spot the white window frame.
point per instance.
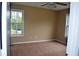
(17, 35)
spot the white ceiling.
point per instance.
(38, 4)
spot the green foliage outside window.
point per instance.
(19, 23)
(16, 22)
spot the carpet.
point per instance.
(39, 49)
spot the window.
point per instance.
(17, 24)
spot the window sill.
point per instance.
(17, 35)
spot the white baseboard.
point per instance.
(32, 41)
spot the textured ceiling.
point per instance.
(38, 4)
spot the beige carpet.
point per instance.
(38, 49)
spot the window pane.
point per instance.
(19, 17)
(19, 29)
(19, 23)
(13, 26)
(12, 16)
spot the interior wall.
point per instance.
(39, 24)
(61, 21)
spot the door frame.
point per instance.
(73, 34)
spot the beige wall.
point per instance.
(61, 20)
(39, 24)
